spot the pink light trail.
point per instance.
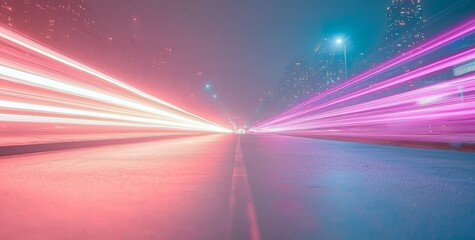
(42, 86)
(439, 111)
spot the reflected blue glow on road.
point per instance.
(192, 187)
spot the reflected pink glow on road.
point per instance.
(171, 189)
(41, 86)
(442, 111)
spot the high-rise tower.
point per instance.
(161, 69)
(329, 64)
(134, 52)
(405, 25)
(67, 24)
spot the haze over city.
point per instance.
(343, 119)
(244, 46)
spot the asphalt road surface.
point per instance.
(231, 187)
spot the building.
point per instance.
(300, 80)
(7, 12)
(134, 53)
(405, 26)
(329, 67)
(162, 69)
(405, 29)
(67, 24)
(296, 84)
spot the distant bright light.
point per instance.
(339, 41)
(208, 86)
(241, 131)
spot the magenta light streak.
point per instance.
(431, 68)
(396, 102)
(417, 52)
(441, 112)
(352, 117)
(411, 122)
(438, 113)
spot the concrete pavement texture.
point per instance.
(238, 187)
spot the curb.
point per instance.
(463, 147)
(46, 147)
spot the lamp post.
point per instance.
(214, 96)
(339, 41)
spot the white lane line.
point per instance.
(240, 191)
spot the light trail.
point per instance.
(40, 85)
(73, 121)
(59, 58)
(442, 111)
(99, 115)
(423, 49)
(431, 68)
(413, 99)
(45, 82)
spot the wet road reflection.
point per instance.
(316, 189)
(260, 187)
(168, 189)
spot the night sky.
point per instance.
(243, 45)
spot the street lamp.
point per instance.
(210, 89)
(339, 41)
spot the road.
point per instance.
(230, 187)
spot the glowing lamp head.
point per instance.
(339, 41)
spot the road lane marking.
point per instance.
(241, 204)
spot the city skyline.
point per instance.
(228, 81)
(245, 46)
(237, 119)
